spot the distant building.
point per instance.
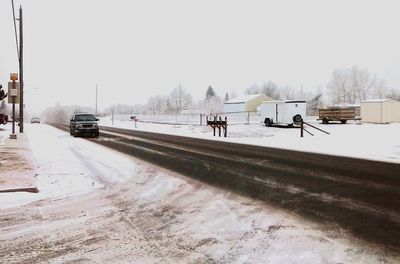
(245, 103)
(380, 111)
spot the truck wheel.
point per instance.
(297, 119)
(343, 121)
(268, 122)
(325, 120)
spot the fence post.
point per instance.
(215, 122)
(248, 117)
(201, 119)
(301, 128)
(226, 126)
(219, 127)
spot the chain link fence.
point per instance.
(190, 119)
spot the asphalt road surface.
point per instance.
(360, 196)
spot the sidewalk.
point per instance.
(17, 170)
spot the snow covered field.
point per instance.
(355, 139)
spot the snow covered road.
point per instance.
(96, 206)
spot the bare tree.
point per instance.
(253, 89)
(287, 93)
(157, 104)
(213, 105)
(394, 94)
(381, 90)
(179, 99)
(126, 109)
(338, 86)
(58, 113)
(270, 89)
(350, 86)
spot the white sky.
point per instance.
(136, 49)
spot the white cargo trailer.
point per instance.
(286, 112)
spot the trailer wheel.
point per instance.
(268, 122)
(343, 121)
(325, 120)
(297, 119)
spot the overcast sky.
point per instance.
(136, 49)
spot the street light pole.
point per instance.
(21, 73)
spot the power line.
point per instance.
(15, 27)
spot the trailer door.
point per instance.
(280, 113)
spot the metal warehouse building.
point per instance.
(245, 103)
(380, 111)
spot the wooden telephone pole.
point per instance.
(21, 72)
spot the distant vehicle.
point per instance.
(84, 124)
(35, 120)
(3, 119)
(286, 113)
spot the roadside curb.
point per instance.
(28, 189)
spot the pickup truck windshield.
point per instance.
(85, 118)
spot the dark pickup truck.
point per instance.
(84, 124)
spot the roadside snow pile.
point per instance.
(367, 141)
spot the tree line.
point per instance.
(346, 86)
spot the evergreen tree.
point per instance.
(226, 97)
(210, 93)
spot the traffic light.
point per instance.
(2, 93)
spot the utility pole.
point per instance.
(180, 98)
(21, 72)
(96, 101)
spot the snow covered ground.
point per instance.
(99, 206)
(67, 166)
(355, 139)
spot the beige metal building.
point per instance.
(380, 111)
(245, 103)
